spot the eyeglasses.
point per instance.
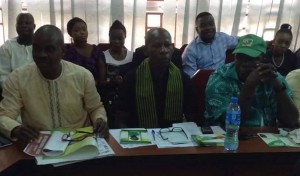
(163, 131)
(76, 136)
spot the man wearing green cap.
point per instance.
(263, 94)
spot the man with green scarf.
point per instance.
(157, 93)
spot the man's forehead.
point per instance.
(45, 37)
(27, 17)
(159, 35)
(246, 58)
(206, 18)
(162, 39)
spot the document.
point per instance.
(189, 127)
(55, 146)
(131, 136)
(209, 139)
(277, 140)
(116, 134)
(179, 135)
(293, 134)
(52, 148)
(36, 147)
(99, 150)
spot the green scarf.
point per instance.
(145, 96)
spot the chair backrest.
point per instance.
(229, 56)
(199, 80)
(183, 48)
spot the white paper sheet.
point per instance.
(55, 146)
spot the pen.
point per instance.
(153, 134)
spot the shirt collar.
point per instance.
(231, 71)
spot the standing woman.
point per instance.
(82, 53)
(280, 55)
(118, 61)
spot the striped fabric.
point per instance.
(145, 97)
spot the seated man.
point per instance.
(49, 93)
(17, 51)
(263, 94)
(156, 94)
(208, 49)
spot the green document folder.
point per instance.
(209, 139)
(132, 136)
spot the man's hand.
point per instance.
(101, 127)
(265, 72)
(25, 133)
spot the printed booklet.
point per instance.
(277, 140)
(209, 139)
(131, 136)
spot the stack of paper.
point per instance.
(98, 150)
(277, 140)
(173, 139)
(50, 149)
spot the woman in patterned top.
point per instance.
(82, 53)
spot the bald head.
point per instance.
(48, 50)
(25, 15)
(25, 27)
(51, 32)
(154, 33)
(159, 47)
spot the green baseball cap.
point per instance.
(251, 45)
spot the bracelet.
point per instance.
(283, 88)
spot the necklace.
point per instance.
(280, 62)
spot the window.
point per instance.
(153, 20)
(2, 38)
(24, 7)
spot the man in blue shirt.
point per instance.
(208, 49)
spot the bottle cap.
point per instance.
(233, 100)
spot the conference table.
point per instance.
(253, 157)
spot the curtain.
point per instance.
(98, 14)
(234, 17)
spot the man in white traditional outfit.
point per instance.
(50, 93)
(17, 51)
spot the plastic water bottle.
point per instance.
(232, 122)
